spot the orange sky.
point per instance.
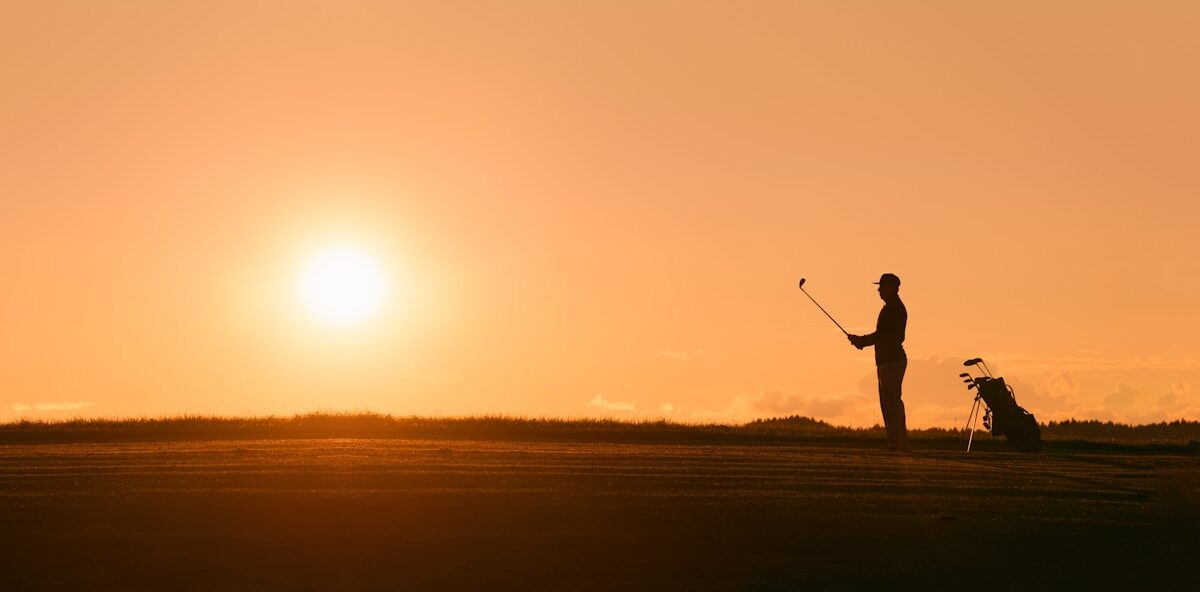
(598, 210)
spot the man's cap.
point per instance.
(889, 279)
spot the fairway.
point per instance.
(391, 514)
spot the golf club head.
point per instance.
(964, 375)
(970, 386)
(802, 280)
(972, 361)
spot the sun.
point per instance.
(342, 285)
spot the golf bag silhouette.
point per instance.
(1005, 418)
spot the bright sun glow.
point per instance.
(342, 286)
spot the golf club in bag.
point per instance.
(1001, 414)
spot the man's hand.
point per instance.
(855, 340)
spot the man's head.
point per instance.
(889, 285)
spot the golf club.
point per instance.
(814, 301)
(973, 361)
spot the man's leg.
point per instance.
(891, 377)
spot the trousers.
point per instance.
(891, 377)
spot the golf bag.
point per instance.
(1005, 418)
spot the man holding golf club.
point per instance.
(890, 359)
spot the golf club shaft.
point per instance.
(985, 368)
(814, 301)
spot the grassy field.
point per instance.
(748, 513)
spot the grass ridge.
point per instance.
(1165, 436)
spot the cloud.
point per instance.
(60, 406)
(1062, 385)
(1029, 362)
(933, 392)
(1123, 398)
(1175, 402)
(1059, 388)
(667, 408)
(927, 381)
(935, 396)
(600, 401)
(1059, 395)
(676, 354)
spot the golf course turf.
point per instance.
(427, 514)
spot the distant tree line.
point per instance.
(493, 427)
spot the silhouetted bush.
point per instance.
(1173, 432)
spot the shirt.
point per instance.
(888, 337)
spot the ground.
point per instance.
(438, 515)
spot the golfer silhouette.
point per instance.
(890, 359)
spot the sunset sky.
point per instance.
(597, 209)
